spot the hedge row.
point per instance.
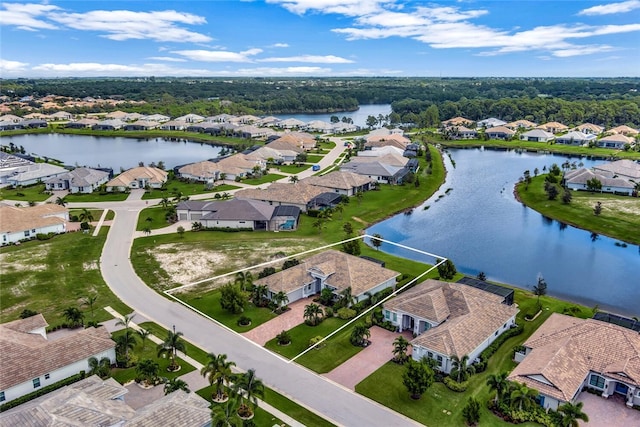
(453, 385)
(42, 391)
(489, 351)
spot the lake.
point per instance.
(476, 222)
(113, 152)
(359, 116)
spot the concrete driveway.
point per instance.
(284, 322)
(363, 364)
(607, 412)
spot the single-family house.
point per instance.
(253, 132)
(109, 124)
(491, 122)
(299, 194)
(382, 151)
(567, 354)
(120, 115)
(537, 135)
(30, 361)
(29, 173)
(269, 121)
(132, 117)
(341, 182)
(19, 223)
(205, 171)
(221, 118)
(96, 402)
(291, 124)
(627, 169)
(333, 270)
(449, 319)
(138, 177)
(288, 150)
(248, 119)
(34, 123)
(576, 137)
(160, 118)
(141, 125)
(617, 141)
(79, 180)
(499, 132)
(174, 125)
(86, 123)
(238, 165)
(60, 116)
(240, 213)
(624, 130)
(319, 126)
(578, 179)
(7, 125)
(10, 118)
(342, 127)
(302, 140)
(457, 121)
(387, 169)
(392, 139)
(268, 154)
(190, 118)
(462, 132)
(520, 124)
(554, 127)
(589, 129)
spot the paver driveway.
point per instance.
(268, 330)
(363, 364)
(607, 412)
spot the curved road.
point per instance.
(338, 404)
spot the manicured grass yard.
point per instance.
(49, 276)
(261, 417)
(175, 186)
(192, 351)
(153, 217)
(209, 303)
(293, 168)
(434, 406)
(335, 351)
(263, 179)
(96, 197)
(148, 351)
(32, 193)
(314, 158)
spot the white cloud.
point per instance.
(166, 58)
(582, 50)
(609, 9)
(26, 16)
(342, 7)
(327, 59)
(94, 69)
(218, 55)
(285, 71)
(279, 45)
(125, 25)
(12, 67)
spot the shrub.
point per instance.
(283, 338)
(44, 236)
(328, 312)
(346, 313)
(244, 321)
(489, 351)
(42, 391)
(453, 385)
(315, 340)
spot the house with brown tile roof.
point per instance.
(617, 141)
(138, 177)
(205, 171)
(457, 121)
(238, 165)
(303, 140)
(341, 182)
(30, 360)
(449, 319)
(589, 129)
(93, 402)
(624, 130)
(394, 139)
(567, 354)
(334, 270)
(554, 127)
(299, 194)
(19, 223)
(499, 132)
(520, 124)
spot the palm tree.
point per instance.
(90, 300)
(171, 346)
(165, 202)
(313, 314)
(460, 368)
(218, 371)
(294, 179)
(250, 389)
(400, 347)
(126, 321)
(226, 415)
(144, 334)
(244, 279)
(74, 316)
(259, 295)
(62, 201)
(521, 396)
(571, 413)
(359, 335)
(499, 383)
(101, 367)
(125, 343)
(175, 384)
(339, 209)
(85, 216)
(280, 300)
(147, 371)
(376, 242)
(346, 297)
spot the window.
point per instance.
(47, 376)
(2, 398)
(496, 334)
(596, 381)
(386, 314)
(395, 317)
(440, 360)
(430, 355)
(36, 382)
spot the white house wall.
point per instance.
(20, 235)
(55, 376)
(229, 224)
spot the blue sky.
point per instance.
(320, 38)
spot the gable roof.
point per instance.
(472, 315)
(297, 194)
(625, 167)
(154, 175)
(624, 129)
(616, 137)
(341, 270)
(581, 176)
(14, 219)
(564, 349)
(500, 130)
(341, 180)
(27, 356)
(589, 127)
(521, 124)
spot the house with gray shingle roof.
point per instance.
(387, 169)
(575, 138)
(567, 354)
(624, 168)
(334, 270)
(578, 180)
(449, 319)
(537, 135)
(299, 194)
(341, 182)
(79, 180)
(239, 213)
(31, 361)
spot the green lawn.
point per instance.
(175, 186)
(96, 213)
(153, 217)
(261, 417)
(314, 158)
(209, 303)
(615, 220)
(96, 197)
(438, 401)
(49, 276)
(192, 351)
(293, 168)
(31, 193)
(147, 351)
(263, 179)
